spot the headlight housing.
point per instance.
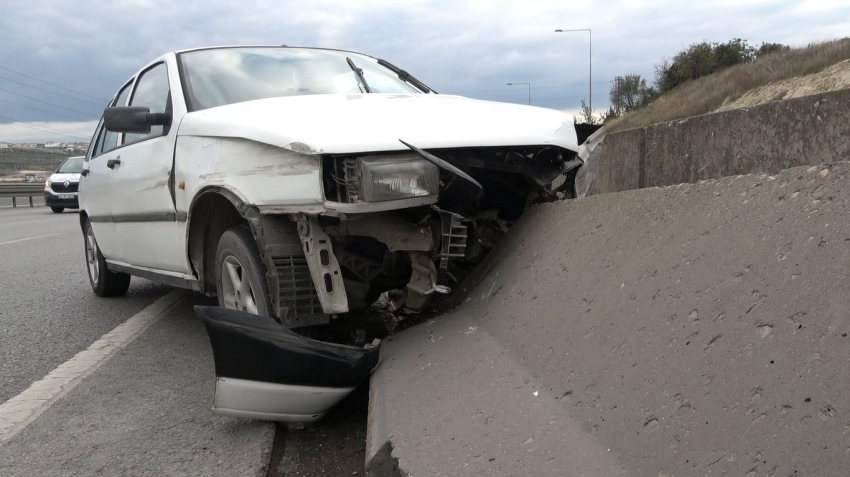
(391, 177)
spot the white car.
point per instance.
(60, 189)
(305, 184)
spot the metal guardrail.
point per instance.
(21, 189)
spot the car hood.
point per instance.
(329, 123)
(65, 176)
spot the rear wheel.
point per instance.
(58, 210)
(103, 281)
(240, 273)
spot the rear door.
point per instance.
(143, 208)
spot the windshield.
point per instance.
(72, 165)
(220, 76)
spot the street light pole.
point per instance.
(590, 64)
(529, 90)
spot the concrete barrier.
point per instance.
(698, 329)
(767, 138)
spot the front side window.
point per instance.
(110, 139)
(222, 76)
(151, 91)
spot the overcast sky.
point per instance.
(473, 48)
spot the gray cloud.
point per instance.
(467, 47)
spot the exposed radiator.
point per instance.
(299, 302)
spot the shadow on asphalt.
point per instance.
(336, 445)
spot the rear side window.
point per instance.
(151, 91)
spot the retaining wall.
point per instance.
(767, 138)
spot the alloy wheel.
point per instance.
(236, 288)
(91, 256)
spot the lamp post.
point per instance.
(590, 63)
(529, 90)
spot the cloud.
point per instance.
(41, 131)
(471, 47)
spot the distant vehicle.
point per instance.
(303, 184)
(60, 189)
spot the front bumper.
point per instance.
(66, 199)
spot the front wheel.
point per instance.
(103, 281)
(57, 210)
(240, 274)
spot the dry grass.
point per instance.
(708, 93)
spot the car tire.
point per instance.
(240, 273)
(57, 210)
(103, 281)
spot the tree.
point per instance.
(702, 59)
(629, 92)
(586, 116)
(767, 48)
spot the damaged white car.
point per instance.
(307, 185)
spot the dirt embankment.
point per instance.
(831, 79)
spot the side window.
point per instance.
(94, 150)
(109, 140)
(151, 91)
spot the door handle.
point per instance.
(113, 162)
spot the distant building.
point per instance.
(4, 145)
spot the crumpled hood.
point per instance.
(329, 123)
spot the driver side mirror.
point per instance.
(133, 119)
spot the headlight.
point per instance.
(396, 177)
(47, 184)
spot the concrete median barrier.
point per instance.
(698, 329)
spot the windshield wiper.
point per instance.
(359, 73)
(405, 76)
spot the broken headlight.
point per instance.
(392, 177)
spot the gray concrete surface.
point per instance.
(767, 138)
(698, 329)
(48, 312)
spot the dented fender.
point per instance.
(259, 174)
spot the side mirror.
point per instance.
(133, 119)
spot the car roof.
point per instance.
(186, 50)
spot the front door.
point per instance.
(97, 183)
(143, 210)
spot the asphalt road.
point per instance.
(146, 409)
(48, 312)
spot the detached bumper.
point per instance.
(266, 371)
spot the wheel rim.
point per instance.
(91, 256)
(236, 289)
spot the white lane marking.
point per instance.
(18, 412)
(31, 238)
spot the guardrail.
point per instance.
(21, 189)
